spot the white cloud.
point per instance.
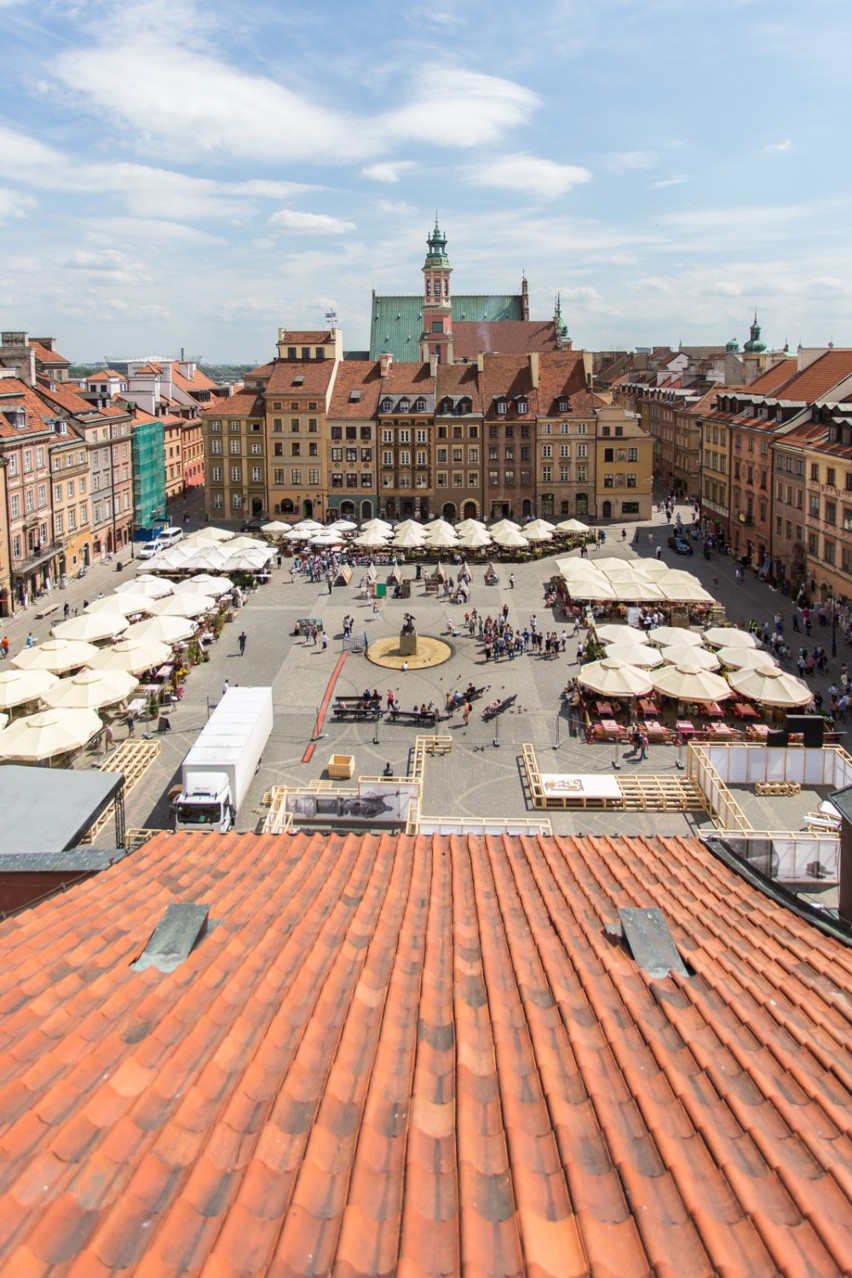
(389, 171)
(458, 108)
(396, 207)
(630, 161)
(774, 148)
(529, 174)
(15, 203)
(672, 181)
(291, 222)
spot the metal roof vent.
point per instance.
(178, 932)
(650, 942)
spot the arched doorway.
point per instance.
(307, 509)
(366, 509)
(448, 511)
(287, 507)
(606, 510)
(257, 505)
(470, 510)
(526, 508)
(86, 554)
(347, 510)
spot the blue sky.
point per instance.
(185, 175)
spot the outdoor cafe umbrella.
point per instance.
(409, 539)
(208, 536)
(91, 689)
(688, 682)
(474, 539)
(254, 560)
(408, 525)
(343, 525)
(168, 630)
(135, 655)
(502, 525)
(511, 538)
(377, 525)
(56, 655)
(17, 687)
(182, 605)
(634, 654)
(613, 632)
(572, 526)
(679, 653)
(435, 524)
(41, 736)
(770, 686)
(536, 534)
(275, 528)
(538, 526)
(91, 626)
(145, 584)
(221, 584)
(194, 588)
(307, 525)
(613, 678)
(469, 525)
(745, 658)
(729, 637)
(683, 592)
(372, 540)
(130, 603)
(665, 636)
(441, 535)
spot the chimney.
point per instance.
(433, 365)
(534, 368)
(385, 363)
(480, 362)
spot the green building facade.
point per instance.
(149, 473)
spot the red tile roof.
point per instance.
(104, 374)
(244, 403)
(45, 356)
(361, 378)
(306, 337)
(768, 382)
(422, 1056)
(818, 379)
(409, 378)
(15, 394)
(315, 374)
(502, 337)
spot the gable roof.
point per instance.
(356, 389)
(315, 376)
(243, 403)
(396, 321)
(44, 355)
(422, 1056)
(505, 337)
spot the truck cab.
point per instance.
(205, 803)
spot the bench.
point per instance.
(367, 713)
(45, 612)
(412, 718)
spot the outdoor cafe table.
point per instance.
(743, 711)
(610, 727)
(758, 731)
(711, 709)
(685, 728)
(655, 731)
(604, 709)
(720, 731)
(164, 672)
(648, 709)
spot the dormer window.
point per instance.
(419, 405)
(403, 405)
(563, 405)
(386, 405)
(501, 407)
(522, 405)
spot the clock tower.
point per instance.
(437, 336)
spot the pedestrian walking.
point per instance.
(131, 725)
(466, 713)
(4, 646)
(242, 642)
(404, 666)
(511, 581)
(324, 644)
(659, 552)
(225, 687)
(643, 746)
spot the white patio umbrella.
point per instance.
(372, 540)
(300, 534)
(91, 689)
(745, 658)
(539, 525)
(221, 584)
(635, 654)
(653, 568)
(511, 538)
(17, 687)
(469, 525)
(768, 685)
(91, 626)
(410, 523)
(130, 603)
(376, 525)
(168, 630)
(442, 536)
(275, 528)
(684, 593)
(535, 534)
(677, 654)
(208, 559)
(688, 682)
(243, 543)
(344, 525)
(192, 588)
(502, 525)
(474, 539)
(572, 526)
(593, 588)
(410, 539)
(208, 536)
(307, 525)
(613, 678)
(182, 605)
(729, 637)
(612, 632)
(56, 655)
(172, 559)
(434, 524)
(145, 584)
(41, 736)
(328, 537)
(248, 561)
(135, 655)
(666, 636)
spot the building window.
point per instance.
(236, 501)
(236, 475)
(235, 447)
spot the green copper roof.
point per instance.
(397, 322)
(754, 345)
(437, 243)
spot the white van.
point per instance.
(151, 548)
(169, 536)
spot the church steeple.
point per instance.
(560, 328)
(754, 346)
(437, 336)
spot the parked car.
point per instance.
(252, 525)
(679, 544)
(150, 549)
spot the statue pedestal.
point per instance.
(408, 645)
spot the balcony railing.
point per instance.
(22, 567)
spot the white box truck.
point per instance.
(218, 770)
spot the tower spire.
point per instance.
(436, 338)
